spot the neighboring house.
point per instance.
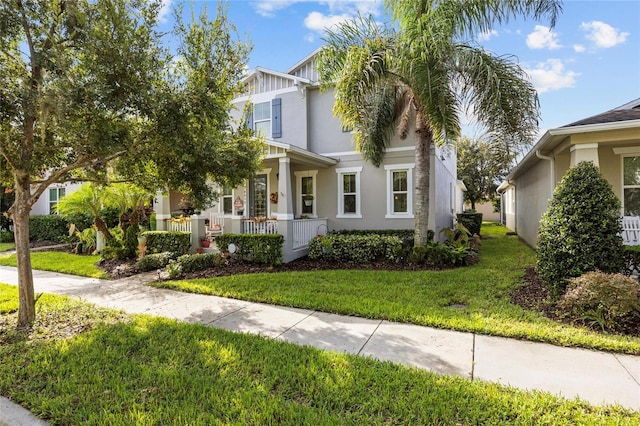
(48, 201)
(611, 140)
(312, 179)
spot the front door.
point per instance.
(258, 196)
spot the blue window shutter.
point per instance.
(276, 120)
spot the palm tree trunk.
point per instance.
(424, 139)
(20, 216)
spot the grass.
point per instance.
(6, 246)
(421, 297)
(146, 370)
(65, 263)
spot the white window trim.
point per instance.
(390, 169)
(268, 135)
(340, 172)
(299, 201)
(622, 185)
(57, 188)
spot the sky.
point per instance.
(587, 64)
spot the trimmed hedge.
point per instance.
(471, 220)
(48, 228)
(6, 237)
(262, 248)
(163, 241)
(356, 248)
(154, 261)
(199, 262)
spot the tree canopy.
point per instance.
(425, 68)
(482, 165)
(90, 91)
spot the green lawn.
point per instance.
(123, 370)
(66, 263)
(6, 246)
(421, 297)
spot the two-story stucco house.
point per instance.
(610, 140)
(312, 178)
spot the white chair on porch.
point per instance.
(215, 226)
(631, 230)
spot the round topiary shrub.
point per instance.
(580, 231)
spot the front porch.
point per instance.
(282, 198)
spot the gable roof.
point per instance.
(628, 111)
(626, 116)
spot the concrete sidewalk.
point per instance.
(597, 377)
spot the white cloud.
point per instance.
(603, 35)
(579, 48)
(310, 37)
(165, 10)
(484, 36)
(317, 21)
(551, 75)
(268, 8)
(543, 38)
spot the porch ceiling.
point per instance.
(276, 150)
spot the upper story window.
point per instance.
(631, 186)
(262, 119)
(266, 119)
(54, 196)
(349, 192)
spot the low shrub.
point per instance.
(603, 299)
(48, 228)
(162, 241)
(354, 247)
(438, 255)
(263, 248)
(6, 237)
(199, 262)
(471, 220)
(631, 259)
(154, 261)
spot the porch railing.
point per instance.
(179, 225)
(631, 230)
(305, 229)
(260, 227)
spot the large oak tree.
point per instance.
(90, 91)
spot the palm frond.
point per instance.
(503, 99)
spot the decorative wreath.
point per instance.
(274, 197)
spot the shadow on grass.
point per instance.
(158, 371)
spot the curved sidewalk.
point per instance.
(597, 377)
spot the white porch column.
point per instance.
(584, 152)
(285, 195)
(163, 210)
(198, 231)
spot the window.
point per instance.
(54, 196)
(349, 192)
(227, 200)
(631, 186)
(306, 184)
(399, 190)
(262, 119)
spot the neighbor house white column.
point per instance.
(584, 152)
(162, 207)
(285, 195)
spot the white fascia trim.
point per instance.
(349, 170)
(582, 146)
(564, 131)
(264, 97)
(627, 150)
(400, 166)
(346, 153)
(304, 60)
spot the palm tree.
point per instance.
(384, 77)
(89, 198)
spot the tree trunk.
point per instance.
(424, 139)
(20, 216)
